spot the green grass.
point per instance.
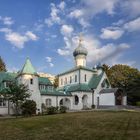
(101, 125)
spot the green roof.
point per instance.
(6, 76)
(77, 68)
(44, 81)
(94, 82)
(54, 93)
(28, 68)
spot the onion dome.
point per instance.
(80, 50)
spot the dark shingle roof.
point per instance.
(109, 90)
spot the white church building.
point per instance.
(79, 88)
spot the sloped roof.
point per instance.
(77, 68)
(28, 68)
(44, 81)
(94, 82)
(109, 90)
(54, 93)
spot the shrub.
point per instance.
(28, 108)
(92, 106)
(138, 104)
(52, 110)
(62, 109)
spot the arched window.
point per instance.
(75, 78)
(85, 77)
(48, 102)
(76, 100)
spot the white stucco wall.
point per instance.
(107, 99)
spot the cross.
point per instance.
(80, 38)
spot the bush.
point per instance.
(93, 106)
(62, 109)
(52, 110)
(28, 108)
(138, 104)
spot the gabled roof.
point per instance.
(44, 81)
(94, 82)
(28, 68)
(77, 68)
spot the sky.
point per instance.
(47, 31)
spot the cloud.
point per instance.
(96, 52)
(49, 59)
(111, 33)
(54, 18)
(131, 7)
(17, 39)
(62, 5)
(31, 35)
(91, 8)
(66, 30)
(133, 25)
(7, 20)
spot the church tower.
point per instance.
(80, 54)
(29, 77)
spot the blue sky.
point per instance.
(47, 32)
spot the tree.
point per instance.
(17, 94)
(56, 82)
(127, 78)
(2, 65)
(28, 108)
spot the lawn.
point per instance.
(98, 125)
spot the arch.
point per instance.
(85, 101)
(48, 102)
(76, 100)
(65, 102)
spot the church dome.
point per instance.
(80, 50)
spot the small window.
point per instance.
(61, 81)
(48, 102)
(85, 77)
(76, 100)
(65, 80)
(31, 81)
(70, 79)
(75, 78)
(2, 102)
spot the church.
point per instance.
(79, 88)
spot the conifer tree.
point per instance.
(2, 65)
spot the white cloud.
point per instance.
(62, 5)
(54, 18)
(31, 35)
(133, 25)
(17, 39)
(111, 34)
(51, 64)
(131, 7)
(7, 20)
(96, 52)
(76, 13)
(64, 52)
(66, 30)
(49, 59)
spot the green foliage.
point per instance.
(56, 82)
(92, 106)
(2, 65)
(138, 103)
(17, 94)
(52, 110)
(127, 78)
(62, 109)
(28, 108)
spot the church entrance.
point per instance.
(85, 101)
(65, 102)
